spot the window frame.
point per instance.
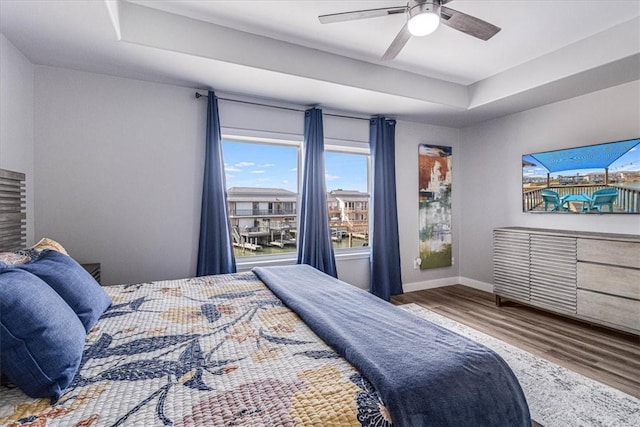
(333, 145)
(358, 149)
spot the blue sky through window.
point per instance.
(249, 164)
(346, 171)
(261, 165)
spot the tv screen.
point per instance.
(602, 178)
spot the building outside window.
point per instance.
(347, 181)
(262, 193)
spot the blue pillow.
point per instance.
(41, 338)
(73, 283)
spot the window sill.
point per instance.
(353, 254)
(247, 263)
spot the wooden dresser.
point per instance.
(589, 276)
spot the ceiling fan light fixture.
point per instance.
(424, 19)
(423, 24)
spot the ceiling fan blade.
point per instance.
(361, 14)
(467, 24)
(397, 44)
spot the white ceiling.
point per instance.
(547, 50)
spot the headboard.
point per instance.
(13, 211)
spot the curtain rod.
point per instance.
(199, 95)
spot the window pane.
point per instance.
(347, 181)
(262, 190)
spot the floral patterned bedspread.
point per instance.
(208, 351)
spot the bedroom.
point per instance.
(102, 151)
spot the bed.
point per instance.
(219, 350)
(277, 346)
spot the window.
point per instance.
(262, 193)
(262, 178)
(347, 181)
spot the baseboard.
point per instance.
(447, 281)
(430, 284)
(476, 284)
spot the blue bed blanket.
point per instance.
(425, 374)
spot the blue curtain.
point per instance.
(384, 241)
(314, 239)
(215, 252)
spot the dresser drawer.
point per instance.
(615, 310)
(611, 252)
(610, 280)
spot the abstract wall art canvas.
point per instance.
(434, 200)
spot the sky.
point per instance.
(276, 166)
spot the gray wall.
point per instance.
(119, 166)
(491, 184)
(118, 172)
(408, 137)
(16, 120)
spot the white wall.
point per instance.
(114, 168)
(492, 175)
(16, 120)
(119, 172)
(119, 168)
(408, 137)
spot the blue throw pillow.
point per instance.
(41, 338)
(73, 283)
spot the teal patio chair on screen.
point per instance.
(601, 198)
(553, 199)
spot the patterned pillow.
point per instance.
(13, 258)
(42, 338)
(23, 256)
(47, 243)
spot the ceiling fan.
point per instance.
(423, 17)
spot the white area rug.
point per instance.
(556, 396)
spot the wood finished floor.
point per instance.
(607, 356)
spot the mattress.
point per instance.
(207, 351)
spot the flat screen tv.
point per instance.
(602, 178)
